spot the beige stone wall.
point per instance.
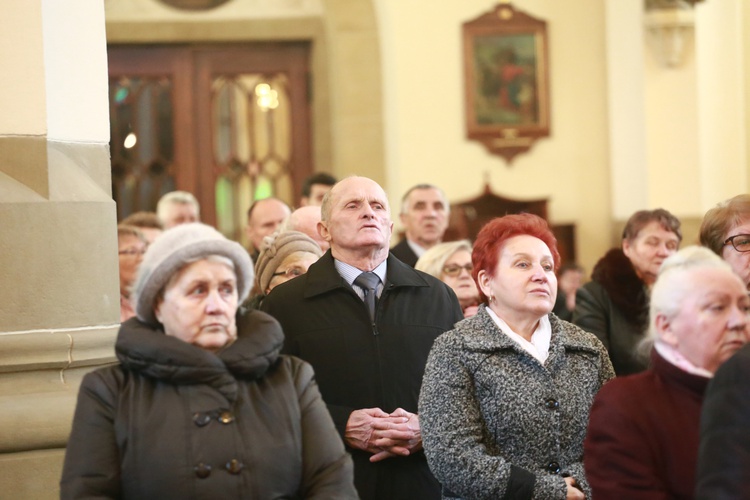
(58, 248)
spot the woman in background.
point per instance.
(614, 304)
(506, 394)
(643, 435)
(131, 245)
(726, 230)
(202, 405)
(283, 256)
(451, 263)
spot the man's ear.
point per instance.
(323, 231)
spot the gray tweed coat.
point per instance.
(496, 423)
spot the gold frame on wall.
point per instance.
(506, 76)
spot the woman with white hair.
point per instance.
(643, 433)
(202, 405)
(451, 263)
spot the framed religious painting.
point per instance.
(506, 73)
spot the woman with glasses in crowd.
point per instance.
(726, 231)
(644, 431)
(283, 256)
(506, 394)
(451, 263)
(131, 245)
(614, 304)
(202, 403)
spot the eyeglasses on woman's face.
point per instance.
(740, 242)
(455, 269)
(132, 252)
(291, 272)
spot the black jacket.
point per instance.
(724, 456)
(614, 307)
(175, 421)
(404, 253)
(360, 365)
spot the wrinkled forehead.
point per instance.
(358, 189)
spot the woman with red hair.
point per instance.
(506, 394)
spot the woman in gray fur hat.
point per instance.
(202, 405)
(506, 394)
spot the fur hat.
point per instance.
(275, 249)
(176, 247)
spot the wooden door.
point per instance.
(228, 123)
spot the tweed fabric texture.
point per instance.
(496, 423)
(175, 248)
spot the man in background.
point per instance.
(263, 218)
(315, 187)
(177, 207)
(305, 220)
(424, 214)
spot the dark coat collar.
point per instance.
(143, 348)
(322, 276)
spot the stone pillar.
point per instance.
(59, 298)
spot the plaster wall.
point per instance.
(424, 113)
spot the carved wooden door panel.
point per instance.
(229, 123)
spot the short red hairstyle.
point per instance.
(496, 232)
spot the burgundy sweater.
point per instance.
(643, 434)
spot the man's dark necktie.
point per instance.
(368, 282)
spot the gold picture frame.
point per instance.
(506, 80)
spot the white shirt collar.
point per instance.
(540, 339)
(350, 273)
(674, 357)
(418, 250)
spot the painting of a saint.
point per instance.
(506, 80)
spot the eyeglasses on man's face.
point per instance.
(740, 242)
(455, 269)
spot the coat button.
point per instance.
(201, 419)
(552, 404)
(553, 467)
(234, 466)
(226, 417)
(202, 470)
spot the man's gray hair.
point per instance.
(176, 198)
(405, 199)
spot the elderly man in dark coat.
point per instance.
(368, 341)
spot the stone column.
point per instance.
(59, 298)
